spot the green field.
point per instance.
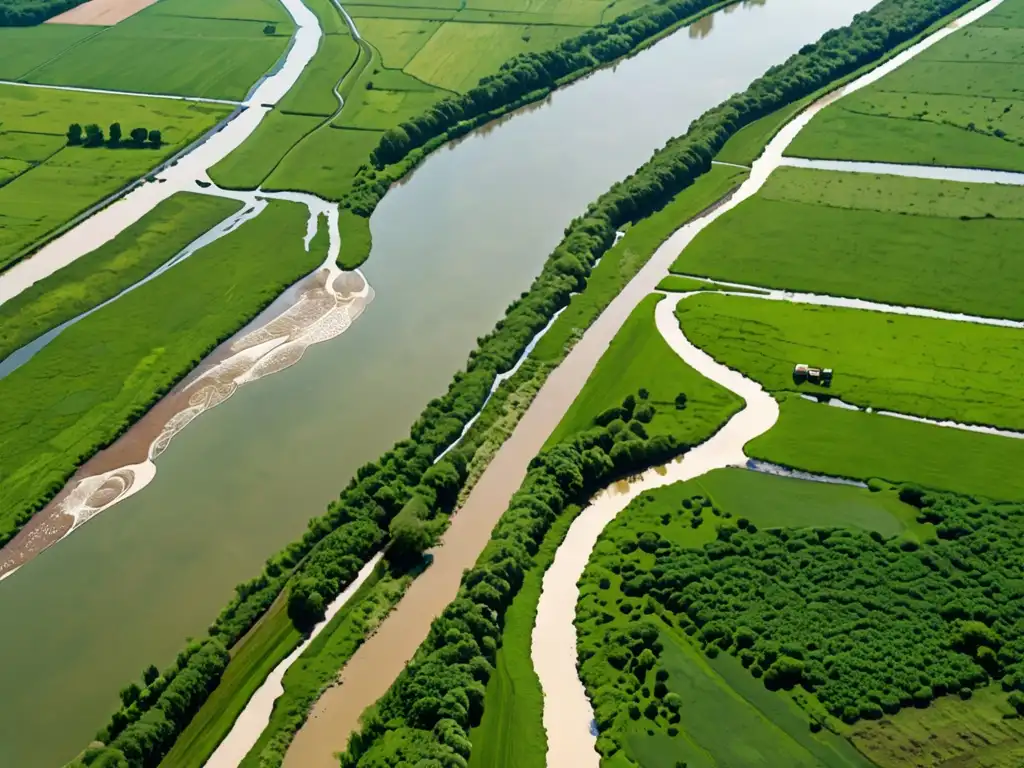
(625, 258)
(904, 241)
(639, 357)
(764, 728)
(26, 48)
(325, 162)
(60, 182)
(256, 158)
(313, 94)
(128, 354)
(935, 736)
(398, 40)
(835, 441)
(131, 255)
(252, 659)
(938, 369)
(957, 103)
(166, 49)
(270, 11)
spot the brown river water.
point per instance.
(453, 245)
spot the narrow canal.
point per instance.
(452, 247)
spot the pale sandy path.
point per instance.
(910, 171)
(567, 711)
(78, 89)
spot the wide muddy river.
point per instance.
(453, 246)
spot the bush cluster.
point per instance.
(425, 717)
(92, 136)
(869, 625)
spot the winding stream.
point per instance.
(462, 237)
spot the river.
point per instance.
(453, 246)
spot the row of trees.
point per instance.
(381, 489)
(92, 136)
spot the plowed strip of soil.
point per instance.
(105, 13)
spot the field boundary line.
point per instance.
(105, 92)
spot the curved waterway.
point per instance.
(453, 246)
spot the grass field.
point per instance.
(958, 103)
(765, 729)
(938, 369)
(103, 273)
(511, 732)
(158, 51)
(256, 158)
(313, 94)
(626, 258)
(681, 284)
(639, 357)
(398, 40)
(900, 241)
(60, 182)
(124, 357)
(324, 163)
(319, 665)
(951, 732)
(252, 659)
(441, 61)
(26, 48)
(270, 11)
(835, 441)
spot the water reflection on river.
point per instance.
(452, 247)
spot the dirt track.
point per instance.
(105, 13)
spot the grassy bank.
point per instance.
(835, 441)
(130, 256)
(918, 242)
(639, 358)
(128, 355)
(938, 369)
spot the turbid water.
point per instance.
(452, 246)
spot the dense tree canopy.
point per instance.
(25, 13)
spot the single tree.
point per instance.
(74, 134)
(93, 135)
(409, 539)
(151, 674)
(155, 138)
(139, 136)
(115, 135)
(130, 694)
(270, 29)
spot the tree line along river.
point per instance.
(453, 245)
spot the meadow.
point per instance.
(671, 712)
(938, 369)
(127, 355)
(639, 358)
(130, 256)
(168, 49)
(901, 241)
(835, 441)
(621, 262)
(58, 182)
(26, 48)
(313, 94)
(958, 104)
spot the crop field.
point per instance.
(253, 10)
(626, 257)
(938, 369)
(836, 441)
(155, 52)
(398, 40)
(59, 182)
(902, 241)
(441, 61)
(128, 354)
(639, 357)
(940, 734)
(765, 728)
(958, 103)
(131, 255)
(251, 163)
(580, 13)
